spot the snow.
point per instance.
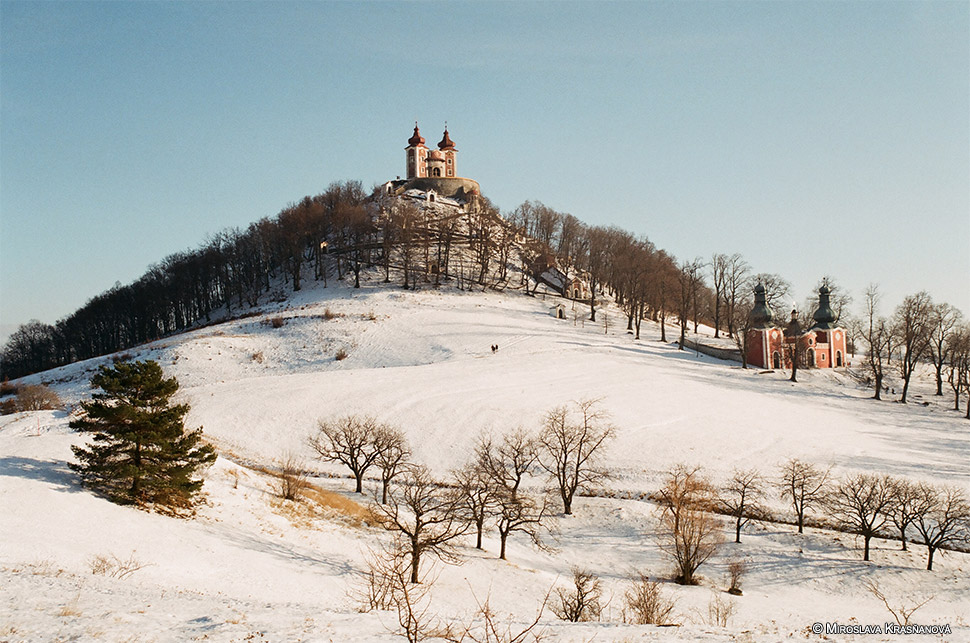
(250, 567)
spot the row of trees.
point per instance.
(863, 504)
(487, 491)
(919, 331)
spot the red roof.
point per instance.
(416, 139)
(446, 143)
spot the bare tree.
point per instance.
(519, 512)
(912, 325)
(740, 498)
(581, 602)
(689, 533)
(944, 321)
(508, 461)
(719, 268)
(803, 485)
(690, 279)
(477, 496)
(392, 455)
(900, 609)
(902, 510)
(736, 284)
(349, 440)
(942, 517)
(958, 365)
(388, 583)
(426, 514)
(876, 333)
(862, 504)
(570, 447)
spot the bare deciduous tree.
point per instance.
(944, 321)
(912, 325)
(689, 533)
(520, 512)
(581, 602)
(740, 498)
(349, 440)
(942, 517)
(508, 461)
(876, 333)
(425, 513)
(392, 455)
(477, 496)
(958, 366)
(901, 609)
(803, 485)
(570, 447)
(862, 503)
(901, 511)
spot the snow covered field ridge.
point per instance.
(251, 567)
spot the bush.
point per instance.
(6, 388)
(277, 322)
(736, 569)
(8, 407)
(341, 355)
(582, 602)
(645, 604)
(291, 479)
(37, 397)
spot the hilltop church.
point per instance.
(432, 174)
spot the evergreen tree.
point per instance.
(140, 451)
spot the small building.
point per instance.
(577, 288)
(821, 346)
(559, 311)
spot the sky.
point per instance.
(826, 138)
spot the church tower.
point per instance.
(417, 155)
(450, 153)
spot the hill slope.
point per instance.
(250, 564)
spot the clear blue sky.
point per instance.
(813, 138)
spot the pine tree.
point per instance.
(140, 451)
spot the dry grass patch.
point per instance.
(336, 505)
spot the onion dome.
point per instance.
(416, 139)
(794, 329)
(446, 143)
(824, 317)
(760, 316)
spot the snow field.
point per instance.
(251, 566)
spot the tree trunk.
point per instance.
(929, 560)
(737, 530)
(415, 560)
(902, 536)
(865, 551)
(360, 482)
(478, 540)
(878, 395)
(503, 536)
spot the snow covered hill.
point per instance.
(251, 567)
